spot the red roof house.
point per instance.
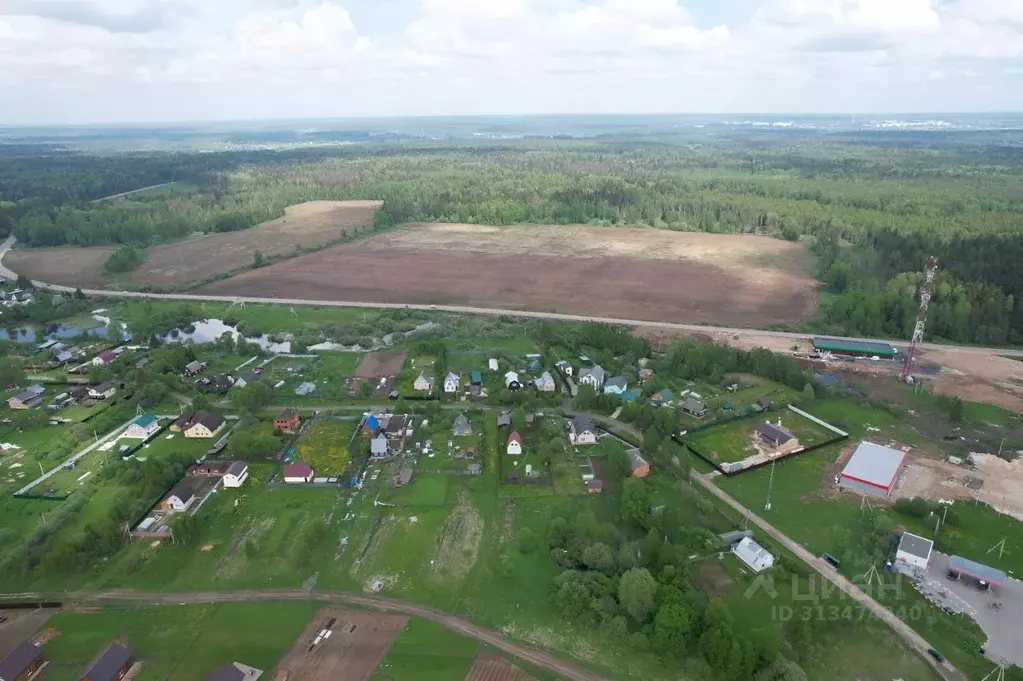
(515, 444)
(298, 472)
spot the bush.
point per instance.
(124, 259)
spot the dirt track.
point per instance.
(560, 667)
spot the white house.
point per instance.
(581, 430)
(378, 446)
(180, 499)
(236, 475)
(515, 444)
(451, 382)
(142, 427)
(545, 383)
(423, 383)
(755, 556)
(492, 363)
(511, 381)
(914, 551)
(102, 391)
(565, 368)
(593, 376)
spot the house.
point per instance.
(199, 424)
(638, 465)
(403, 477)
(378, 446)
(564, 367)
(63, 357)
(872, 470)
(914, 551)
(451, 382)
(104, 358)
(236, 475)
(645, 375)
(207, 468)
(545, 383)
(662, 398)
(251, 377)
(503, 419)
(25, 400)
(755, 556)
(222, 383)
(515, 444)
(530, 419)
(774, 435)
(592, 376)
(615, 385)
(298, 472)
(765, 402)
(493, 365)
(424, 383)
(288, 421)
(461, 426)
(194, 368)
(102, 391)
(142, 427)
(371, 426)
(22, 663)
(475, 378)
(398, 426)
(594, 486)
(234, 671)
(306, 388)
(179, 499)
(582, 431)
(511, 380)
(112, 664)
(694, 407)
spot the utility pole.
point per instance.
(770, 485)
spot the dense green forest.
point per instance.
(871, 208)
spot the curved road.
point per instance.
(298, 302)
(535, 657)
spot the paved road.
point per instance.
(749, 334)
(907, 633)
(540, 659)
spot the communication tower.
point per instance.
(926, 291)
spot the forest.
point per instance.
(871, 208)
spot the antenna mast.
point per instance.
(926, 291)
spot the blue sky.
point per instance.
(76, 61)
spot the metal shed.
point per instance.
(971, 568)
(844, 346)
(872, 470)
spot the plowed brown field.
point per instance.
(307, 224)
(489, 667)
(645, 274)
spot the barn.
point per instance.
(873, 470)
(854, 348)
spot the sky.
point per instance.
(88, 61)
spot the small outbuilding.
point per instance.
(755, 556)
(914, 551)
(638, 465)
(872, 470)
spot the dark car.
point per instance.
(936, 655)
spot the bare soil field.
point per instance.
(611, 272)
(307, 224)
(355, 648)
(490, 667)
(994, 481)
(377, 364)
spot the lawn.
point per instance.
(327, 446)
(730, 442)
(426, 651)
(175, 642)
(425, 490)
(168, 443)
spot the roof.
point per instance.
(184, 492)
(616, 382)
(104, 387)
(145, 420)
(582, 422)
(452, 376)
(596, 371)
(207, 418)
(19, 659)
(107, 356)
(874, 465)
(26, 397)
(226, 672)
(751, 552)
(693, 404)
(194, 366)
(546, 377)
(475, 377)
(299, 469)
(974, 569)
(37, 389)
(916, 546)
(372, 422)
(110, 661)
(514, 437)
(635, 459)
(595, 484)
(503, 419)
(774, 433)
(665, 395)
(288, 414)
(237, 468)
(404, 475)
(848, 345)
(250, 377)
(461, 422)
(378, 444)
(511, 376)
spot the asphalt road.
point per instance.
(751, 334)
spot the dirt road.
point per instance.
(457, 624)
(907, 633)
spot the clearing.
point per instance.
(600, 271)
(309, 224)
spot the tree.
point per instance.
(636, 591)
(252, 396)
(808, 392)
(12, 372)
(955, 410)
(573, 599)
(672, 625)
(782, 669)
(634, 507)
(599, 557)
(258, 259)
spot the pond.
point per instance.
(209, 330)
(32, 336)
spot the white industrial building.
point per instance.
(873, 470)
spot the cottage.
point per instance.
(142, 427)
(774, 435)
(423, 383)
(582, 431)
(102, 391)
(398, 426)
(298, 472)
(663, 398)
(592, 376)
(403, 477)
(207, 468)
(615, 385)
(199, 424)
(306, 388)
(222, 383)
(493, 365)
(765, 403)
(694, 407)
(247, 379)
(63, 357)
(461, 426)
(180, 499)
(476, 378)
(503, 419)
(25, 400)
(104, 358)
(515, 444)
(564, 367)
(234, 671)
(545, 383)
(194, 368)
(236, 475)
(370, 426)
(511, 380)
(22, 662)
(594, 486)
(378, 446)
(755, 556)
(637, 464)
(288, 421)
(112, 664)
(451, 382)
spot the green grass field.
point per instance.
(730, 442)
(326, 446)
(426, 651)
(425, 490)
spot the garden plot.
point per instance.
(327, 446)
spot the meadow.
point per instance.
(327, 446)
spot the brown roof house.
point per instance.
(288, 421)
(199, 424)
(777, 437)
(112, 664)
(298, 472)
(22, 663)
(180, 499)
